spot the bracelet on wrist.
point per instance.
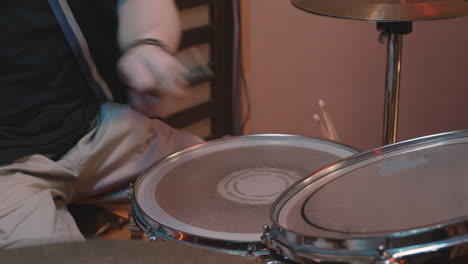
(148, 41)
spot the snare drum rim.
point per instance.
(154, 231)
(158, 230)
(408, 242)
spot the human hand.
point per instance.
(153, 76)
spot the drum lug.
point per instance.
(135, 231)
(275, 262)
(266, 237)
(130, 192)
(149, 234)
(250, 251)
(384, 257)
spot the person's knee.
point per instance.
(35, 218)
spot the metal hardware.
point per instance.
(275, 262)
(130, 192)
(384, 257)
(395, 32)
(392, 88)
(382, 37)
(250, 251)
(149, 234)
(135, 231)
(266, 237)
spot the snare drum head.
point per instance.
(402, 188)
(224, 189)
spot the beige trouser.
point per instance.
(34, 190)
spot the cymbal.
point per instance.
(386, 10)
(118, 252)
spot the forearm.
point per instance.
(139, 19)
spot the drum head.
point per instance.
(224, 189)
(401, 188)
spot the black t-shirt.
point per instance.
(46, 106)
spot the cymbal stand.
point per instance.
(394, 32)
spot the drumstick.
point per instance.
(198, 70)
(323, 130)
(328, 122)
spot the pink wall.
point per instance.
(294, 58)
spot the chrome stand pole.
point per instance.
(394, 32)
(392, 88)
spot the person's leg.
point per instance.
(123, 146)
(35, 189)
(33, 195)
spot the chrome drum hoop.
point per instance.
(445, 241)
(378, 249)
(154, 231)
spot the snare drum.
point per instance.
(403, 203)
(218, 195)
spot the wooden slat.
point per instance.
(218, 35)
(196, 36)
(190, 116)
(195, 17)
(201, 129)
(183, 4)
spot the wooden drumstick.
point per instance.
(328, 122)
(323, 130)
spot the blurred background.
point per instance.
(272, 63)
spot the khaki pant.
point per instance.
(34, 190)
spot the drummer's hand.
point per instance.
(153, 76)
